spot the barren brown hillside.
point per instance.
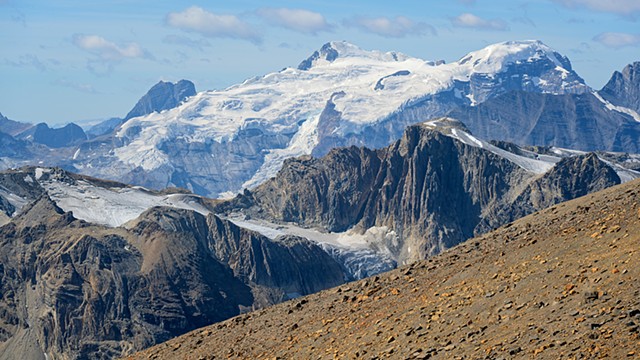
(563, 283)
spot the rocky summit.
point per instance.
(563, 283)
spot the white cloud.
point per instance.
(107, 50)
(468, 20)
(300, 20)
(196, 19)
(397, 27)
(618, 40)
(621, 7)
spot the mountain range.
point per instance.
(216, 143)
(95, 268)
(343, 168)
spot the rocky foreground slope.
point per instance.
(560, 283)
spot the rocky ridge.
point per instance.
(560, 283)
(431, 189)
(162, 96)
(74, 290)
(623, 89)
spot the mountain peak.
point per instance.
(162, 96)
(333, 50)
(495, 57)
(623, 89)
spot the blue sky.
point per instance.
(64, 60)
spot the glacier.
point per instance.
(218, 142)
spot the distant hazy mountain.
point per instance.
(66, 136)
(104, 127)
(162, 96)
(12, 127)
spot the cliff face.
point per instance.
(73, 290)
(623, 89)
(579, 122)
(430, 189)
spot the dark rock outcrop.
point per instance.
(430, 189)
(570, 178)
(162, 96)
(623, 89)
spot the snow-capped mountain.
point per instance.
(221, 141)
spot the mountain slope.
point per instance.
(561, 283)
(581, 122)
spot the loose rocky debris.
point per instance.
(563, 283)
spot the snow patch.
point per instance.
(16, 201)
(115, 206)
(620, 109)
(535, 163)
(362, 255)
(40, 171)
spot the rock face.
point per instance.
(623, 89)
(74, 290)
(561, 283)
(571, 178)
(580, 122)
(432, 190)
(162, 96)
(66, 136)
